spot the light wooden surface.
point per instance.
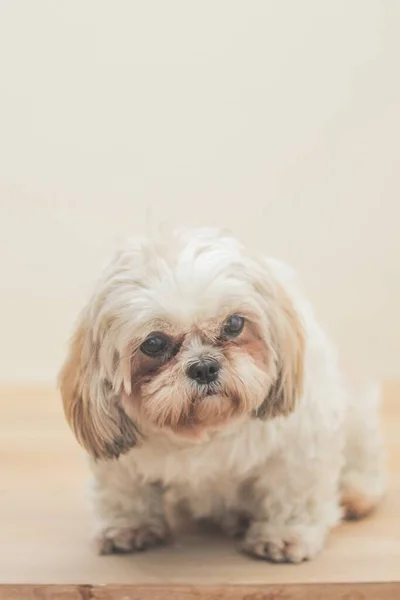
(45, 529)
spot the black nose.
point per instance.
(204, 371)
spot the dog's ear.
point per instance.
(91, 404)
(286, 341)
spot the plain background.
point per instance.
(278, 119)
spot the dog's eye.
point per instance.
(233, 326)
(154, 345)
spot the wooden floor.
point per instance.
(45, 530)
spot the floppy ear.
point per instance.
(91, 404)
(287, 344)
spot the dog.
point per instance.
(198, 367)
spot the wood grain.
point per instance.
(45, 549)
(337, 591)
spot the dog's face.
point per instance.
(195, 375)
(183, 336)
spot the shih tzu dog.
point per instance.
(199, 368)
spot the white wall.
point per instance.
(279, 119)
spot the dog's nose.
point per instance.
(204, 371)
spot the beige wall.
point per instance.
(278, 119)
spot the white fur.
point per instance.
(285, 475)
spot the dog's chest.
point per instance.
(228, 457)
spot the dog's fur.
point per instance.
(269, 451)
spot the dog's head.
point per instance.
(186, 335)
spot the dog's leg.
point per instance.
(363, 479)
(294, 504)
(130, 512)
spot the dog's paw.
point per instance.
(287, 543)
(131, 539)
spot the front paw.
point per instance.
(285, 543)
(131, 539)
